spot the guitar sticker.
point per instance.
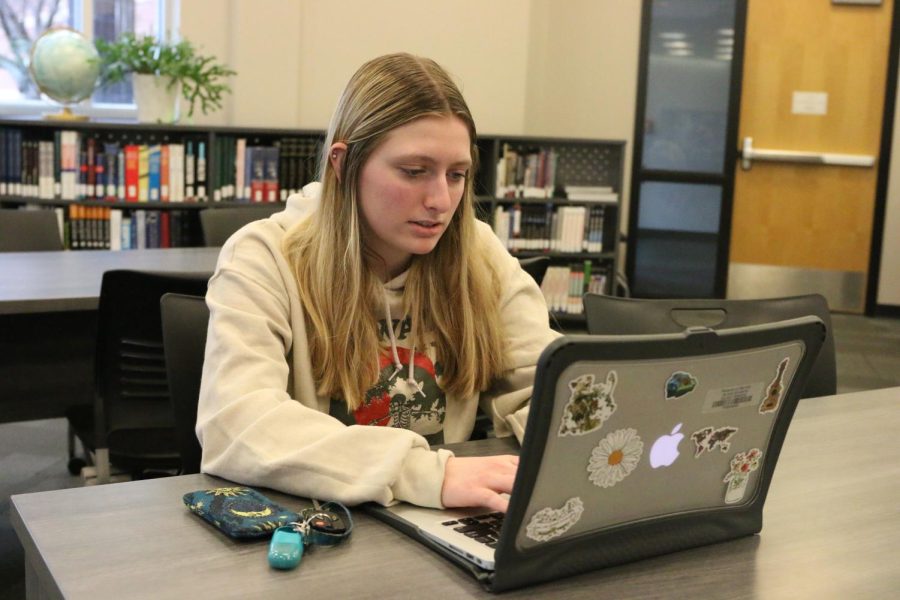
(775, 390)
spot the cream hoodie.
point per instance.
(260, 421)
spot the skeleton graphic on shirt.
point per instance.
(394, 401)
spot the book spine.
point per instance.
(115, 229)
(270, 183)
(140, 229)
(47, 188)
(120, 175)
(132, 172)
(189, 172)
(74, 226)
(89, 169)
(176, 173)
(201, 172)
(143, 173)
(153, 173)
(258, 174)
(164, 172)
(240, 153)
(82, 174)
(125, 234)
(111, 152)
(165, 238)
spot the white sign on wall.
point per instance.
(810, 103)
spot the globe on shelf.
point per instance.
(65, 66)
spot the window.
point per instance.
(23, 21)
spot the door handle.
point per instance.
(749, 153)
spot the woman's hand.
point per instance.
(479, 481)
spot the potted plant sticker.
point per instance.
(742, 465)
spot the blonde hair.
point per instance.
(451, 292)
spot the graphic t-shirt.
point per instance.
(394, 401)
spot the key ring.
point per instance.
(323, 525)
(327, 524)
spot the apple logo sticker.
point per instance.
(665, 449)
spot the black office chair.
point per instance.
(608, 315)
(219, 223)
(536, 266)
(29, 231)
(130, 426)
(184, 323)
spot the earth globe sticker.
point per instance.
(65, 66)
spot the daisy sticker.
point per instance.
(549, 523)
(615, 457)
(589, 405)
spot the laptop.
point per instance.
(635, 446)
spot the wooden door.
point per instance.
(801, 228)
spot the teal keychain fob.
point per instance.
(286, 548)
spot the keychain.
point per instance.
(322, 525)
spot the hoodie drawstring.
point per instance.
(398, 366)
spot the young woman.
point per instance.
(373, 315)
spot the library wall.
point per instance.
(582, 74)
(527, 67)
(293, 58)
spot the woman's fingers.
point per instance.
(479, 481)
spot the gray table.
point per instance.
(832, 530)
(48, 321)
(43, 282)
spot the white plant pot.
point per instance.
(156, 101)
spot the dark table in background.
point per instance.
(48, 321)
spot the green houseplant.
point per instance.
(168, 65)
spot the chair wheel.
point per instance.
(75, 465)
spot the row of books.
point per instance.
(100, 227)
(563, 286)
(550, 227)
(526, 169)
(247, 172)
(75, 166)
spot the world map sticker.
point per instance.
(589, 405)
(549, 523)
(615, 457)
(709, 438)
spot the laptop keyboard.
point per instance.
(481, 528)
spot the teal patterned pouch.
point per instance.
(239, 512)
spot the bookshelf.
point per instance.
(558, 198)
(123, 184)
(144, 182)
